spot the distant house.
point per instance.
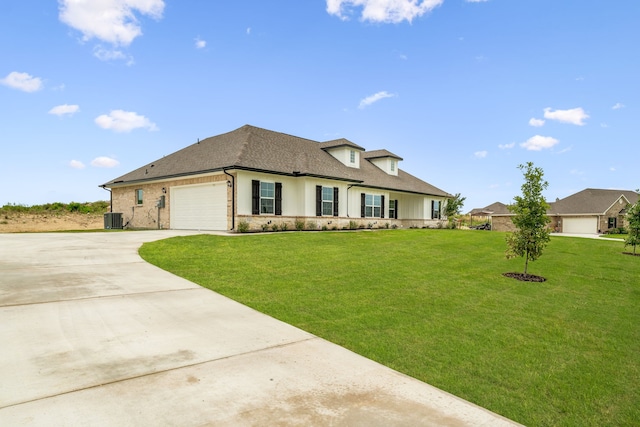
(267, 178)
(590, 211)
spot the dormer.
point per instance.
(344, 151)
(384, 160)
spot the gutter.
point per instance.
(233, 198)
(104, 187)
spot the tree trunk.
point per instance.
(526, 262)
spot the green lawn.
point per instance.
(434, 305)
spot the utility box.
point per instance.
(160, 202)
(113, 220)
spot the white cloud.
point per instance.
(506, 146)
(537, 143)
(200, 44)
(64, 110)
(574, 116)
(375, 98)
(124, 121)
(22, 81)
(536, 122)
(104, 162)
(105, 54)
(76, 164)
(112, 21)
(618, 106)
(249, 31)
(612, 169)
(386, 11)
(480, 154)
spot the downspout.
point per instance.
(110, 197)
(233, 199)
(348, 188)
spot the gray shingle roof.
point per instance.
(342, 142)
(377, 154)
(592, 201)
(253, 148)
(496, 208)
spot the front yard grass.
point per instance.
(434, 305)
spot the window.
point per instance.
(352, 156)
(139, 196)
(613, 222)
(393, 165)
(326, 201)
(266, 198)
(435, 209)
(393, 210)
(372, 206)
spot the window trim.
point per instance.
(139, 195)
(368, 201)
(256, 197)
(352, 157)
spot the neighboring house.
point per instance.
(590, 211)
(495, 212)
(267, 178)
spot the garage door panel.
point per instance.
(199, 207)
(587, 225)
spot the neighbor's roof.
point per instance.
(257, 149)
(496, 208)
(591, 201)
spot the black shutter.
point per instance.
(255, 197)
(362, 201)
(395, 212)
(278, 198)
(432, 211)
(318, 200)
(381, 206)
(335, 201)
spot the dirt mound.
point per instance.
(29, 222)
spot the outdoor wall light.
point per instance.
(164, 190)
(229, 184)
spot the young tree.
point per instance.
(530, 209)
(452, 209)
(633, 218)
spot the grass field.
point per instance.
(434, 305)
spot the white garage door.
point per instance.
(587, 225)
(199, 207)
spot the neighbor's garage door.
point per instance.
(580, 225)
(199, 207)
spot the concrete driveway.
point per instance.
(92, 335)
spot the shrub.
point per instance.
(284, 226)
(243, 227)
(274, 227)
(352, 225)
(311, 225)
(265, 227)
(299, 225)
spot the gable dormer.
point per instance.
(345, 151)
(384, 160)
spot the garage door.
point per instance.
(199, 207)
(587, 225)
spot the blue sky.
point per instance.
(463, 90)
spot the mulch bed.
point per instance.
(630, 253)
(525, 277)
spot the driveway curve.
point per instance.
(93, 335)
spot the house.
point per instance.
(490, 212)
(265, 178)
(590, 211)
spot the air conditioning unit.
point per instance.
(112, 220)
